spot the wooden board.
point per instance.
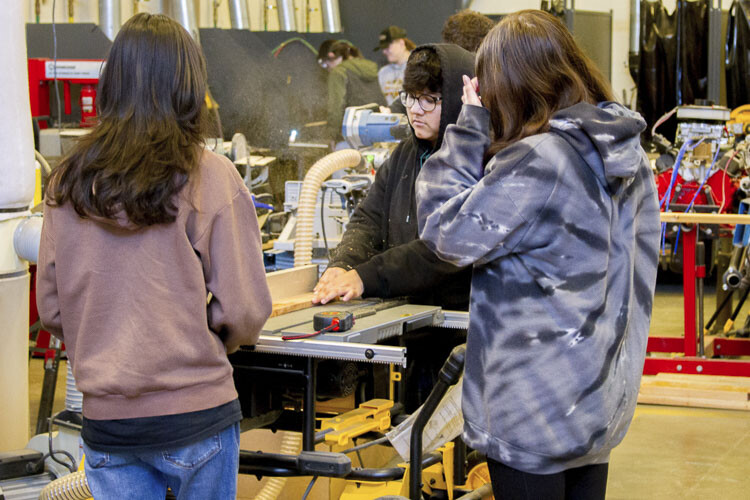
(291, 304)
(692, 217)
(291, 282)
(701, 391)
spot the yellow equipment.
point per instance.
(373, 415)
(739, 120)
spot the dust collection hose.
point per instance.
(291, 444)
(71, 487)
(319, 172)
(75, 487)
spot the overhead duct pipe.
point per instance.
(109, 17)
(238, 16)
(331, 16)
(183, 11)
(634, 54)
(287, 19)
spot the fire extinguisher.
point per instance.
(87, 103)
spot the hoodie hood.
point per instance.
(454, 63)
(607, 137)
(363, 68)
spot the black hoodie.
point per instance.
(381, 241)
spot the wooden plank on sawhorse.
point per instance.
(701, 391)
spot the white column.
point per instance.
(17, 180)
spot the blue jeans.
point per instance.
(205, 470)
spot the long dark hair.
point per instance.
(528, 67)
(152, 116)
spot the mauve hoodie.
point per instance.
(130, 303)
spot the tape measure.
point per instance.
(333, 321)
(328, 321)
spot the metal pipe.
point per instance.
(26, 238)
(109, 17)
(714, 55)
(635, 27)
(183, 11)
(238, 16)
(308, 434)
(331, 16)
(287, 19)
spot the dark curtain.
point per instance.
(737, 50)
(673, 66)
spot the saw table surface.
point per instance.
(374, 320)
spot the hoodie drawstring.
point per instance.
(422, 159)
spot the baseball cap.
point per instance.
(388, 35)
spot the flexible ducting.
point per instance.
(73, 397)
(287, 19)
(331, 16)
(319, 172)
(43, 162)
(109, 17)
(238, 16)
(71, 487)
(291, 444)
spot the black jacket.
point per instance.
(380, 241)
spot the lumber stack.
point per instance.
(700, 391)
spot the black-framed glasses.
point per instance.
(426, 101)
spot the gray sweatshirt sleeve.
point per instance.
(468, 214)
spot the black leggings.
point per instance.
(582, 483)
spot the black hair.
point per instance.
(423, 71)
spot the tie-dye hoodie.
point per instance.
(562, 229)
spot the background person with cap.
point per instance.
(396, 48)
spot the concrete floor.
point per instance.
(669, 452)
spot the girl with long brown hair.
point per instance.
(543, 187)
(150, 270)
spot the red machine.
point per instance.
(718, 190)
(83, 72)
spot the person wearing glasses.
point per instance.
(380, 254)
(352, 81)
